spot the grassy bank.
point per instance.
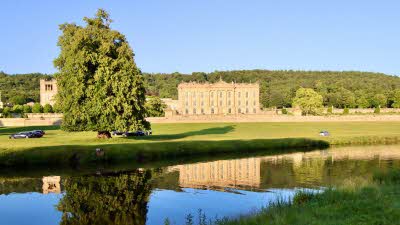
(186, 140)
(357, 202)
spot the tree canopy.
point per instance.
(309, 101)
(99, 86)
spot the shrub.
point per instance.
(6, 112)
(284, 111)
(330, 109)
(377, 110)
(302, 197)
(37, 108)
(27, 109)
(48, 108)
(346, 111)
(18, 109)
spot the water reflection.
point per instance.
(148, 196)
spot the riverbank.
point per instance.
(376, 201)
(174, 141)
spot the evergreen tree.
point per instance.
(99, 86)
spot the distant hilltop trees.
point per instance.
(277, 88)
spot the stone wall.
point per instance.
(22, 122)
(271, 118)
(44, 115)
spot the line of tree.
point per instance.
(277, 88)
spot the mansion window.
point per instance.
(187, 103)
(202, 103)
(247, 94)
(247, 110)
(247, 102)
(212, 94)
(194, 111)
(254, 110)
(220, 94)
(239, 94)
(202, 111)
(229, 110)
(229, 102)
(187, 111)
(239, 110)
(254, 103)
(194, 103)
(212, 110)
(220, 103)
(239, 102)
(229, 94)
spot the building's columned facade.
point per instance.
(218, 98)
(48, 89)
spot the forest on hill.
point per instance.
(20, 88)
(277, 88)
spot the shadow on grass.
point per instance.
(209, 131)
(140, 153)
(12, 130)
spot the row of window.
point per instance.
(213, 111)
(220, 94)
(220, 103)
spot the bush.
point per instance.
(37, 108)
(27, 109)
(48, 108)
(330, 109)
(284, 111)
(346, 111)
(377, 110)
(17, 109)
(7, 112)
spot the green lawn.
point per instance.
(173, 140)
(375, 201)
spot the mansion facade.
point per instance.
(194, 98)
(218, 98)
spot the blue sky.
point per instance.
(208, 35)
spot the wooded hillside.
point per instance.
(340, 89)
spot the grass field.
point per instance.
(175, 140)
(374, 201)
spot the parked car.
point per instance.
(324, 133)
(37, 133)
(134, 134)
(22, 135)
(117, 133)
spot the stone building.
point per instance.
(223, 173)
(218, 98)
(48, 89)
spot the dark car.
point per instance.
(22, 135)
(37, 133)
(117, 133)
(134, 134)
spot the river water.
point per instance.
(219, 188)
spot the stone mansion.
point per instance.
(218, 98)
(194, 98)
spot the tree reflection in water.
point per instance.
(117, 199)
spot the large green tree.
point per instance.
(309, 101)
(99, 86)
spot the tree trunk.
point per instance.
(103, 134)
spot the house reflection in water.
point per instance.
(220, 174)
(51, 184)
